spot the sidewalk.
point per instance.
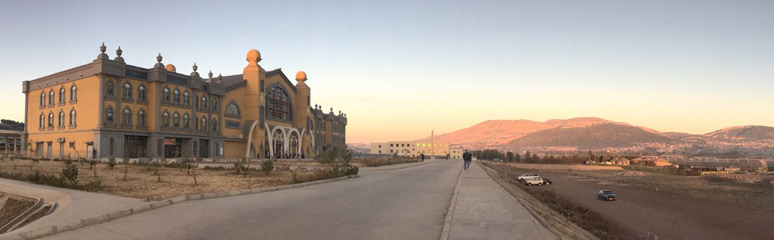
(484, 210)
(73, 204)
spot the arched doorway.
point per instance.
(293, 153)
(279, 148)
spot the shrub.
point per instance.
(94, 185)
(241, 167)
(70, 175)
(111, 163)
(268, 165)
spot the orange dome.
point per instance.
(300, 76)
(253, 56)
(170, 68)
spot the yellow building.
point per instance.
(107, 108)
(411, 148)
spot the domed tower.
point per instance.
(302, 100)
(254, 98)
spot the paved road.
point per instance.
(406, 203)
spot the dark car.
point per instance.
(547, 181)
(606, 194)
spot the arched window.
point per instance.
(186, 121)
(141, 93)
(127, 117)
(61, 119)
(166, 94)
(278, 104)
(232, 110)
(43, 99)
(72, 118)
(73, 93)
(62, 95)
(127, 91)
(109, 115)
(141, 118)
(109, 89)
(203, 103)
(187, 98)
(42, 119)
(215, 125)
(51, 97)
(176, 120)
(165, 119)
(215, 104)
(50, 119)
(204, 124)
(177, 96)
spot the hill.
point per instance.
(753, 133)
(593, 137)
(498, 132)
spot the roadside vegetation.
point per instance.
(384, 161)
(155, 180)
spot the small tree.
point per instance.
(267, 166)
(111, 163)
(70, 174)
(93, 166)
(126, 170)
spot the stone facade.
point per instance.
(108, 108)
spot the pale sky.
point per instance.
(401, 68)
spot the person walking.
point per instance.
(467, 157)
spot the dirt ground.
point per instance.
(12, 206)
(143, 182)
(671, 212)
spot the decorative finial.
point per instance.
(102, 48)
(331, 109)
(220, 77)
(158, 58)
(195, 67)
(119, 51)
(210, 74)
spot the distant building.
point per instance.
(411, 148)
(456, 152)
(650, 161)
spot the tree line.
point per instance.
(528, 157)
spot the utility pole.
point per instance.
(432, 143)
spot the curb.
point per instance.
(394, 167)
(59, 228)
(446, 230)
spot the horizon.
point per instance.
(401, 69)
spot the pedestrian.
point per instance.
(423, 156)
(467, 157)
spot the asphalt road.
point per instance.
(405, 203)
(668, 215)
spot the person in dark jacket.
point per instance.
(467, 157)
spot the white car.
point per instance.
(533, 181)
(528, 175)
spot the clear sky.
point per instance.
(401, 68)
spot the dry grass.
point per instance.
(143, 182)
(726, 189)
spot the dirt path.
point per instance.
(668, 215)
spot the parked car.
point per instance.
(528, 175)
(547, 181)
(497, 160)
(533, 181)
(606, 194)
